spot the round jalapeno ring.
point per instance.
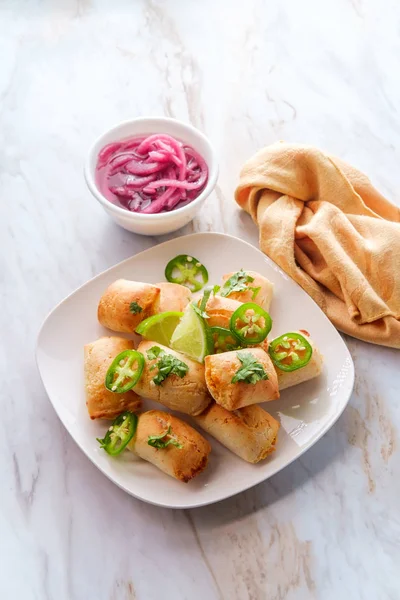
(188, 271)
(119, 434)
(122, 375)
(290, 351)
(250, 324)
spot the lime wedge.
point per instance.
(159, 328)
(192, 336)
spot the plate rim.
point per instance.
(349, 386)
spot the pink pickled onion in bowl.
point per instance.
(150, 174)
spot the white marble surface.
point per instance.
(247, 73)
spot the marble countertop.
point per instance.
(247, 73)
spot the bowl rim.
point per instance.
(213, 170)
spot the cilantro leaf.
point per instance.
(201, 313)
(134, 308)
(154, 352)
(201, 309)
(251, 371)
(167, 364)
(255, 292)
(237, 283)
(159, 441)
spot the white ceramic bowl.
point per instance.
(157, 224)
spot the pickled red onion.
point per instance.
(150, 174)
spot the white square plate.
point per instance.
(305, 412)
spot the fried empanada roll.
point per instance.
(125, 304)
(230, 380)
(220, 310)
(100, 402)
(173, 297)
(187, 393)
(312, 369)
(260, 290)
(250, 432)
(178, 449)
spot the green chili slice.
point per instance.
(188, 271)
(124, 371)
(224, 340)
(250, 324)
(290, 351)
(119, 434)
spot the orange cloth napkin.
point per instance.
(323, 223)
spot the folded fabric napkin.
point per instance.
(323, 223)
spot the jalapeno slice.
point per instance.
(188, 271)
(224, 340)
(124, 371)
(250, 324)
(119, 434)
(290, 351)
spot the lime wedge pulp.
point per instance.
(192, 336)
(159, 328)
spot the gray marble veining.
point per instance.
(247, 73)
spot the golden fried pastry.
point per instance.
(182, 452)
(187, 394)
(312, 369)
(250, 432)
(100, 402)
(220, 310)
(173, 297)
(125, 304)
(221, 369)
(259, 291)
